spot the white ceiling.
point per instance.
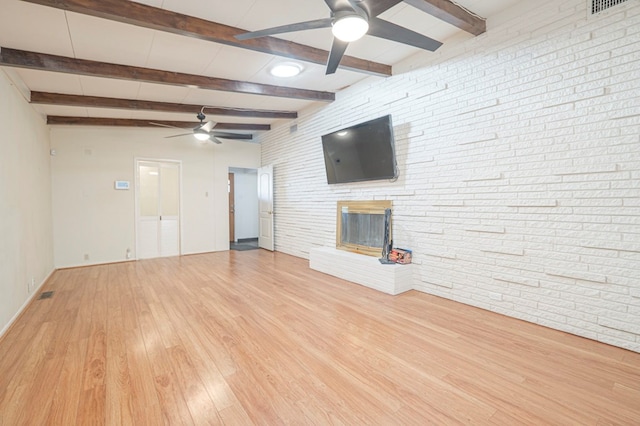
(42, 29)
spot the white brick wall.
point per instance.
(519, 154)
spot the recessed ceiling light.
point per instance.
(286, 69)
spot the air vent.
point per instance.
(596, 7)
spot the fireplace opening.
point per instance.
(360, 226)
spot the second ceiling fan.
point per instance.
(205, 131)
(349, 21)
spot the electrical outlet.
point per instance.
(33, 283)
(86, 256)
(128, 254)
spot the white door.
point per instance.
(265, 203)
(158, 209)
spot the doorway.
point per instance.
(243, 208)
(157, 209)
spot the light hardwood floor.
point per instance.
(254, 337)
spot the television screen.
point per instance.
(362, 152)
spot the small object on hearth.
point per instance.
(400, 255)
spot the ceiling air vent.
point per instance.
(596, 7)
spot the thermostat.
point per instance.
(122, 184)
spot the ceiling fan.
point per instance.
(204, 131)
(349, 21)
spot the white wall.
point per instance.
(90, 217)
(519, 156)
(26, 239)
(246, 204)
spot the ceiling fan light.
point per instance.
(350, 28)
(201, 136)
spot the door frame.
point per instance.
(232, 206)
(136, 178)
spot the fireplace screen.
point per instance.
(360, 226)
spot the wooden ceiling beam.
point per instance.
(450, 12)
(127, 122)
(62, 64)
(45, 98)
(142, 15)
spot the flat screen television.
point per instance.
(362, 152)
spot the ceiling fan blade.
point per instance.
(387, 30)
(228, 135)
(336, 5)
(176, 136)
(376, 7)
(300, 26)
(335, 56)
(165, 125)
(206, 127)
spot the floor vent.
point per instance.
(598, 6)
(45, 295)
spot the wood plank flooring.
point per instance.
(253, 337)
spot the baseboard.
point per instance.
(194, 253)
(111, 262)
(25, 304)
